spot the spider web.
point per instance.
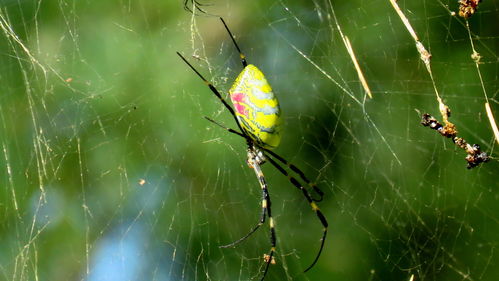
(110, 171)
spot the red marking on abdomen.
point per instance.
(238, 97)
(239, 101)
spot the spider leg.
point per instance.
(214, 90)
(299, 172)
(266, 201)
(262, 220)
(314, 206)
(266, 210)
(295, 182)
(224, 127)
(265, 206)
(197, 6)
(241, 55)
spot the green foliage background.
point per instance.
(110, 172)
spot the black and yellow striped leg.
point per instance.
(314, 206)
(241, 55)
(266, 204)
(214, 90)
(254, 162)
(299, 172)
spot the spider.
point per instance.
(258, 118)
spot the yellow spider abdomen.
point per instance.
(256, 107)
